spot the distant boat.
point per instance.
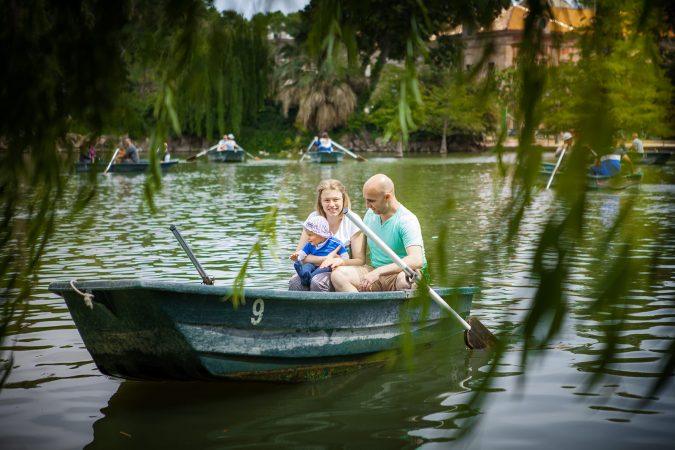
(123, 167)
(614, 182)
(326, 157)
(651, 158)
(227, 156)
(159, 330)
(597, 181)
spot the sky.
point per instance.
(248, 8)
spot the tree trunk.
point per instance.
(399, 148)
(444, 142)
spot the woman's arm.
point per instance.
(358, 258)
(358, 247)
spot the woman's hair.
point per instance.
(331, 185)
(325, 135)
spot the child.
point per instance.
(320, 243)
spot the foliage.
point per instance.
(270, 132)
(323, 96)
(597, 120)
(99, 66)
(452, 102)
(632, 79)
(387, 31)
(385, 106)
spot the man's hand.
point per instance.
(368, 280)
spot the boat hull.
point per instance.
(154, 330)
(326, 157)
(227, 156)
(596, 181)
(650, 158)
(125, 167)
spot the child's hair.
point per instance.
(331, 185)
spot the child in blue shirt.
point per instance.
(321, 242)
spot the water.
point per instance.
(55, 398)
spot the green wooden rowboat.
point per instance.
(326, 157)
(226, 156)
(124, 167)
(615, 182)
(158, 330)
(650, 158)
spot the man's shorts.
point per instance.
(391, 282)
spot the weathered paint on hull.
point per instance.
(228, 156)
(141, 329)
(326, 157)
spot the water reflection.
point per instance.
(383, 408)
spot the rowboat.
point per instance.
(124, 167)
(615, 182)
(326, 157)
(227, 156)
(651, 158)
(159, 330)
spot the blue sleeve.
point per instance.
(308, 249)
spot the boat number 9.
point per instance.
(257, 311)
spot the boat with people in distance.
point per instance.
(226, 156)
(615, 182)
(160, 330)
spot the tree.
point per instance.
(453, 103)
(72, 66)
(323, 95)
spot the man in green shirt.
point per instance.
(398, 228)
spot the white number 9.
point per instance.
(257, 309)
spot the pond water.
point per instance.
(55, 398)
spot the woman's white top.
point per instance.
(345, 232)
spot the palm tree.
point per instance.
(323, 98)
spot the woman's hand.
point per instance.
(333, 263)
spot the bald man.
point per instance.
(398, 228)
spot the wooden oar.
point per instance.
(202, 153)
(250, 155)
(350, 153)
(476, 335)
(555, 169)
(205, 278)
(306, 151)
(117, 150)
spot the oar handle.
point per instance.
(205, 278)
(394, 257)
(555, 169)
(307, 151)
(117, 150)
(350, 153)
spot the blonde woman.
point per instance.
(331, 199)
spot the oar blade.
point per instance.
(478, 337)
